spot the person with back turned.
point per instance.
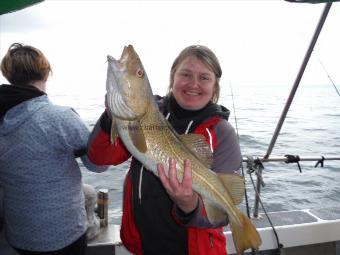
(44, 209)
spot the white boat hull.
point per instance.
(303, 232)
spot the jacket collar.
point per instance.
(12, 95)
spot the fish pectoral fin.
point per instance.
(137, 136)
(214, 214)
(245, 236)
(198, 145)
(114, 133)
(234, 183)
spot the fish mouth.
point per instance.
(115, 96)
(127, 52)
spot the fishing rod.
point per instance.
(329, 77)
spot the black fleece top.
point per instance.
(12, 95)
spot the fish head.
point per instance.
(127, 85)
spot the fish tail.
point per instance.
(245, 236)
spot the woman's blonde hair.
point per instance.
(208, 57)
(24, 64)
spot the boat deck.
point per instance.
(304, 232)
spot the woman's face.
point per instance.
(194, 84)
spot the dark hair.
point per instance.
(207, 56)
(24, 64)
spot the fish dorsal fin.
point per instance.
(114, 132)
(137, 135)
(234, 183)
(198, 145)
(214, 214)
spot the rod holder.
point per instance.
(103, 206)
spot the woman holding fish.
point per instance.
(163, 211)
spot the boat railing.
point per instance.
(289, 158)
(255, 165)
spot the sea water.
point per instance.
(311, 128)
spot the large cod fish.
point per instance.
(150, 139)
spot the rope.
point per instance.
(188, 127)
(140, 185)
(279, 245)
(255, 166)
(293, 159)
(210, 140)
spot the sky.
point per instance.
(257, 42)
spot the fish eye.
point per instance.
(140, 72)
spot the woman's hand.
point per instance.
(180, 192)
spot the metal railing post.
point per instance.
(298, 78)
